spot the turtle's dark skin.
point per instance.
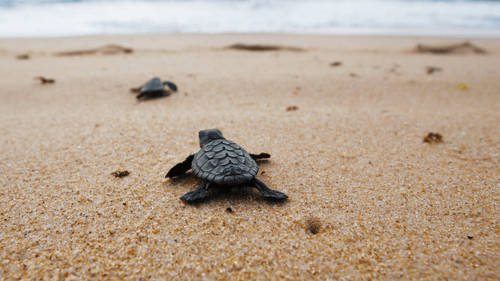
(154, 88)
(222, 162)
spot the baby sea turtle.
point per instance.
(154, 88)
(222, 162)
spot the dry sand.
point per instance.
(384, 204)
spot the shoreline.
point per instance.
(346, 32)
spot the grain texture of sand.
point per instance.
(369, 199)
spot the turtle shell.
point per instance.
(224, 162)
(152, 85)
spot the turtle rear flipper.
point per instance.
(180, 168)
(171, 85)
(267, 192)
(136, 90)
(197, 193)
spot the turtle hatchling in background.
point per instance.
(154, 88)
(222, 163)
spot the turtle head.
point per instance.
(207, 136)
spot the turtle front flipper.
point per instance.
(197, 193)
(267, 192)
(260, 156)
(171, 85)
(180, 168)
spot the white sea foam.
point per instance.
(61, 18)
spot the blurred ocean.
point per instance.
(32, 18)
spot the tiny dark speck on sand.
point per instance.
(432, 69)
(433, 138)
(44, 80)
(313, 225)
(229, 210)
(23, 57)
(120, 174)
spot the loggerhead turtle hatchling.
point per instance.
(222, 162)
(154, 88)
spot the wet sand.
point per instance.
(349, 153)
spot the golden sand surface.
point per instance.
(382, 203)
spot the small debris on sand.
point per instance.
(461, 48)
(292, 108)
(462, 86)
(394, 67)
(313, 225)
(105, 50)
(353, 74)
(403, 191)
(260, 48)
(433, 138)
(336, 63)
(120, 174)
(45, 80)
(432, 69)
(229, 210)
(23, 57)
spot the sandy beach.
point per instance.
(343, 117)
